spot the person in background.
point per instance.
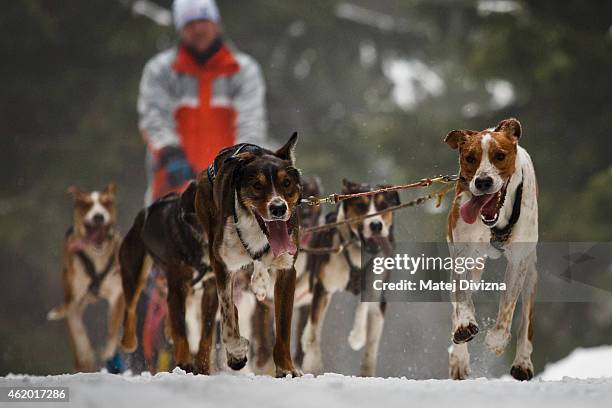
(195, 99)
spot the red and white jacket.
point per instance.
(201, 108)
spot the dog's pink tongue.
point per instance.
(384, 244)
(471, 209)
(279, 238)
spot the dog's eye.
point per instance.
(500, 156)
(470, 159)
(286, 183)
(84, 203)
(257, 185)
(361, 206)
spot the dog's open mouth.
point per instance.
(377, 243)
(96, 234)
(487, 205)
(277, 232)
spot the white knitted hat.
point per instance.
(186, 11)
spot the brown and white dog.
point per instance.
(339, 271)
(494, 212)
(246, 202)
(91, 272)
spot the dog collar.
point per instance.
(255, 256)
(499, 236)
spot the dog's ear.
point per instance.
(227, 180)
(287, 152)
(74, 192)
(188, 197)
(392, 196)
(110, 188)
(511, 127)
(348, 185)
(456, 137)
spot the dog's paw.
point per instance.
(458, 363)
(465, 333)
(236, 363)
(357, 339)
(458, 371)
(187, 367)
(260, 282)
(522, 371)
(313, 361)
(57, 313)
(497, 340)
(237, 351)
(288, 372)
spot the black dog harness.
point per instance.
(355, 272)
(96, 277)
(211, 171)
(499, 236)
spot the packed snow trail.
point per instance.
(178, 389)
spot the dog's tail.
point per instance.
(57, 313)
(135, 266)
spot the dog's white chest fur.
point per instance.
(233, 251)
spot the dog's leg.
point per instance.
(303, 314)
(311, 339)
(357, 336)
(260, 281)
(210, 304)
(236, 347)
(135, 266)
(177, 294)
(59, 312)
(262, 336)
(497, 339)
(464, 314)
(116, 308)
(464, 328)
(85, 359)
(375, 323)
(284, 291)
(458, 361)
(522, 367)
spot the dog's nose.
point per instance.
(483, 183)
(98, 219)
(376, 227)
(278, 209)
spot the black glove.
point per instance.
(173, 160)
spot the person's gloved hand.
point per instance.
(173, 160)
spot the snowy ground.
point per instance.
(593, 362)
(178, 389)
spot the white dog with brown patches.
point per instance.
(494, 212)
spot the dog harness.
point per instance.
(499, 236)
(355, 272)
(92, 272)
